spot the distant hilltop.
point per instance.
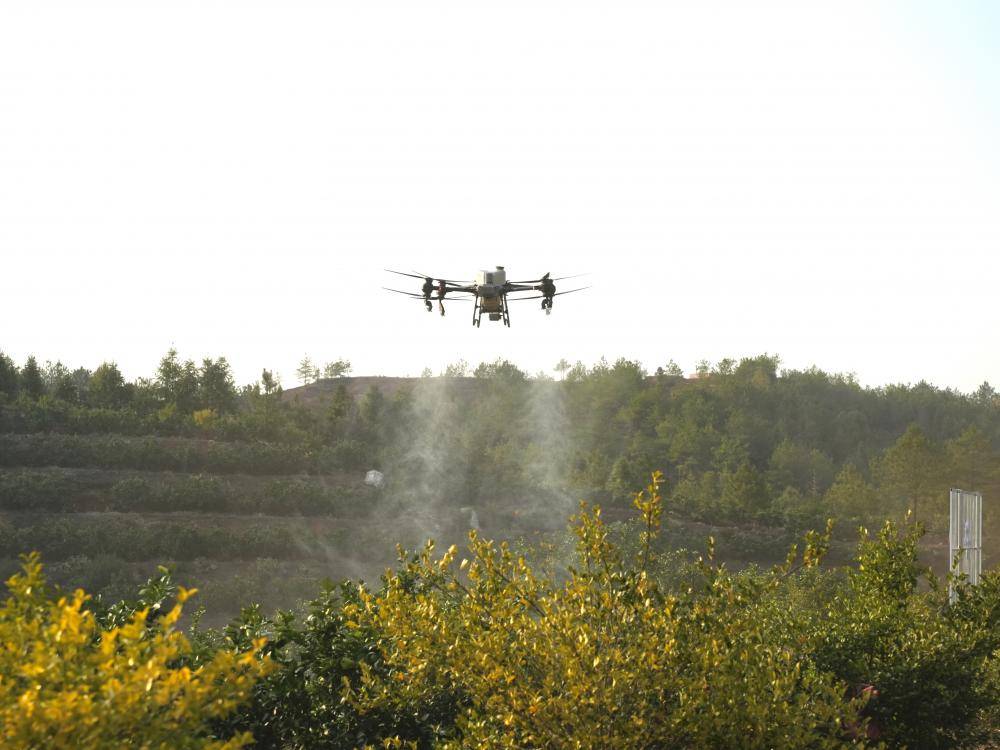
(313, 394)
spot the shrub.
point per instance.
(301, 705)
(33, 491)
(173, 454)
(66, 681)
(618, 652)
(929, 663)
(605, 659)
(62, 537)
(53, 490)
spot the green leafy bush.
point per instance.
(171, 454)
(624, 650)
(51, 490)
(65, 536)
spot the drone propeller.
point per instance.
(447, 281)
(542, 296)
(557, 278)
(402, 273)
(400, 291)
(422, 277)
(421, 297)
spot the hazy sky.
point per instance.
(817, 180)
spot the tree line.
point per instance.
(741, 441)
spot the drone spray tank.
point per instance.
(490, 288)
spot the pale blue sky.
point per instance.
(815, 180)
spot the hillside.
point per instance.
(316, 394)
(106, 510)
(242, 488)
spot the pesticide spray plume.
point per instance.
(455, 466)
(493, 452)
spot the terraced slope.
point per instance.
(105, 500)
(245, 522)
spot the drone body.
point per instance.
(488, 292)
(491, 296)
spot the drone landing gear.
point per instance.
(502, 314)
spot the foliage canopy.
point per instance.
(68, 681)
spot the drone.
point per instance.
(488, 292)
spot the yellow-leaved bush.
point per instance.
(604, 658)
(67, 682)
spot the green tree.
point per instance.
(9, 377)
(500, 369)
(337, 369)
(188, 387)
(972, 463)
(576, 373)
(32, 383)
(730, 454)
(798, 511)
(761, 370)
(562, 367)
(59, 382)
(107, 387)
(144, 396)
(911, 471)
(270, 384)
(370, 411)
(691, 430)
(986, 394)
(169, 374)
(673, 370)
(178, 383)
(852, 498)
(637, 463)
(338, 410)
(81, 382)
(744, 492)
(793, 465)
(698, 495)
(216, 387)
(726, 366)
(306, 371)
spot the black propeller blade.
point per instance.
(433, 297)
(447, 281)
(402, 273)
(542, 296)
(557, 278)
